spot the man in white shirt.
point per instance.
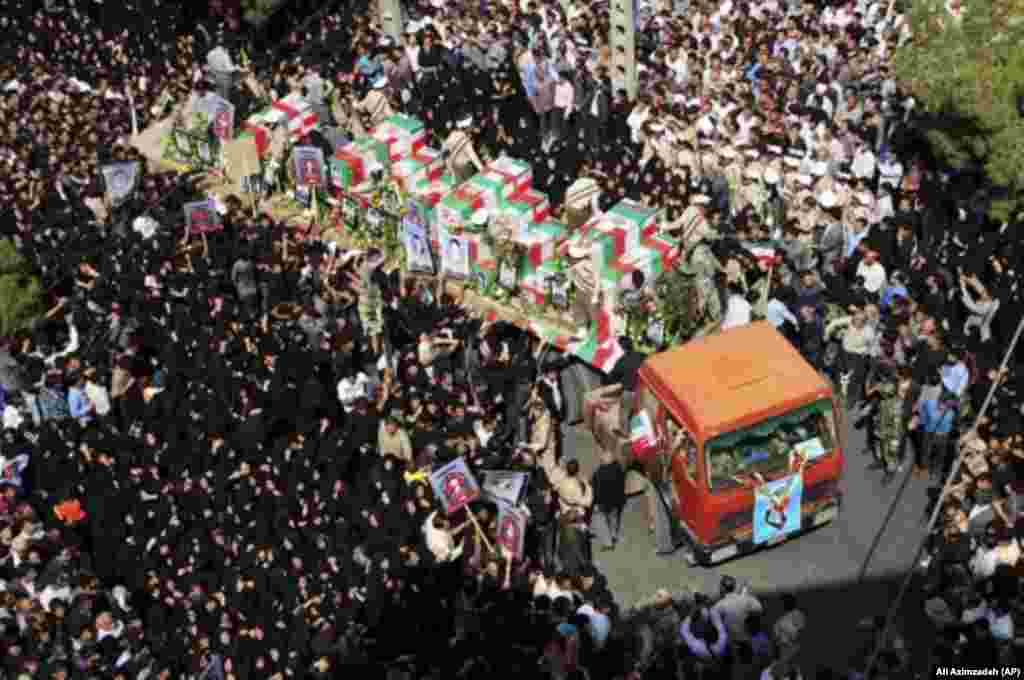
(955, 376)
(735, 606)
(351, 390)
(98, 395)
(858, 342)
(986, 559)
(440, 539)
(737, 311)
(872, 272)
(107, 626)
(863, 163)
(12, 417)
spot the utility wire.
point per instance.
(883, 634)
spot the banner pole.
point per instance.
(479, 530)
(253, 197)
(508, 568)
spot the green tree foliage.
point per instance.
(21, 294)
(967, 74)
(258, 11)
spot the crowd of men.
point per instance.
(214, 453)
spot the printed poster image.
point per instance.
(507, 275)
(309, 166)
(504, 487)
(777, 508)
(559, 291)
(201, 217)
(418, 258)
(511, 530)
(223, 125)
(455, 257)
(455, 486)
(222, 115)
(120, 180)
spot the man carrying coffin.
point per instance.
(581, 200)
(461, 156)
(375, 106)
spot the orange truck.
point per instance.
(748, 437)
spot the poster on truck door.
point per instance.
(777, 508)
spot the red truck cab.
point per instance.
(750, 434)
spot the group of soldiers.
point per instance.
(890, 414)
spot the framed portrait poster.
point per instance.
(309, 166)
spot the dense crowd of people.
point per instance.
(215, 455)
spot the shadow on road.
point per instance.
(835, 637)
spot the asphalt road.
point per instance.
(822, 568)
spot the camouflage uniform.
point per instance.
(892, 426)
(681, 284)
(706, 266)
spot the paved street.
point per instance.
(821, 567)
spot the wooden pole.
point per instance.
(767, 288)
(253, 197)
(479, 530)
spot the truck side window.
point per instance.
(681, 443)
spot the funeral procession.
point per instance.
(546, 339)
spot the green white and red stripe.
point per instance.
(550, 334)
(765, 253)
(601, 355)
(301, 121)
(600, 348)
(642, 437)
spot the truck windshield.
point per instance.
(766, 448)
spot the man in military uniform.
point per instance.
(706, 268)
(316, 92)
(752, 192)
(462, 158)
(693, 223)
(701, 310)
(584, 278)
(891, 425)
(581, 200)
(223, 71)
(375, 106)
